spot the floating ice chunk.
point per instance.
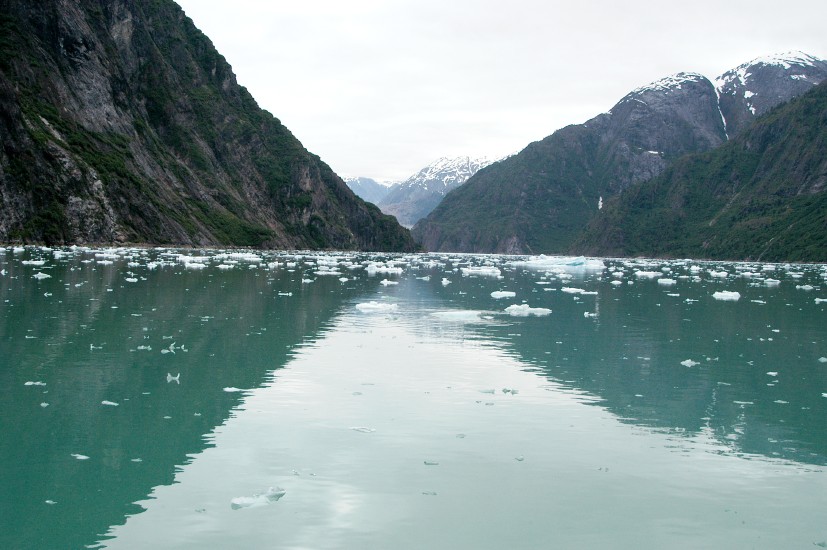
(345, 279)
(386, 282)
(569, 290)
(484, 271)
(805, 287)
(176, 378)
(588, 314)
(362, 429)
(498, 294)
(33, 262)
(666, 282)
(194, 265)
(50, 502)
(758, 301)
(578, 263)
(44, 404)
(34, 383)
(821, 300)
(131, 280)
(40, 276)
(718, 274)
(616, 282)
(822, 359)
(224, 266)
(772, 373)
(80, 456)
(374, 307)
(109, 403)
(269, 496)
(524, 310)
(647, 274)
(728, 295)
(458, 315)
(689, 363)
(772, 282)
(445, 281)
(232, 389)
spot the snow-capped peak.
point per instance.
(787, 60)
(668, 83)
(447, 172)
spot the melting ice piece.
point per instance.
(458, 315)
(689, 363)
(39, 275)
(80, 457)
(445, 281)
(728, 295)
(232, 389)
(772, 373)
(386, 282)
(484, 271)
(131, 280)
(37, 383)
(822, 359)
(666, 282)
(269, 496)
(176, 378)
(821, 300)
(570, 290)
(524, 310)
(109, 403)
(497, 294)
(373, 307)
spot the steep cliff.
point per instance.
(541, 198)
(762, 196)
(120, 122)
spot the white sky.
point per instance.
(382, 88)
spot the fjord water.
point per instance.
(217, 399)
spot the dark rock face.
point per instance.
(761, 196)
(541, 199)
(757, 86)
(120, 122)
(538, 200)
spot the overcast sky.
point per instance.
(382, 88)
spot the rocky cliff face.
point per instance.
(541, 199)
(415, 198)
(757, 86)
(120, 122)
(761, 196)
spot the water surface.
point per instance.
(209, 399)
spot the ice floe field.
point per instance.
(165, 398)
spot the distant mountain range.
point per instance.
(542, 199)
(413, 199)
(121, 123)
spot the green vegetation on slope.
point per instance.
(761, 197)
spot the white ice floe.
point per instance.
(109, 403)
(376, 307)
(40, 275)
(483, 271)
(689, 363)
(459, 315)
(805, 287)
(524, 310)
(498, 294)
(445, 281)
(568, 263)
(772, 373)
(386, 282)
(718, 274)
(131, 280)
(820, 300)
(34, 383)
(666, 282)
(647, 274)
(80, 456)
(570, 290)
(728, 295)
(269, 496)
(176, 378)
(822, 359)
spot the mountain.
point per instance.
(368, 189)
(762, 196)
(754, 88)
(417, 196)
(541, 199)
(120, 122)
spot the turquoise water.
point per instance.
(211, 399)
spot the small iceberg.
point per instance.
(269, 496)
(524, 310)
(376, 307)
(498, 294)
(727, 295)
(689, 363)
